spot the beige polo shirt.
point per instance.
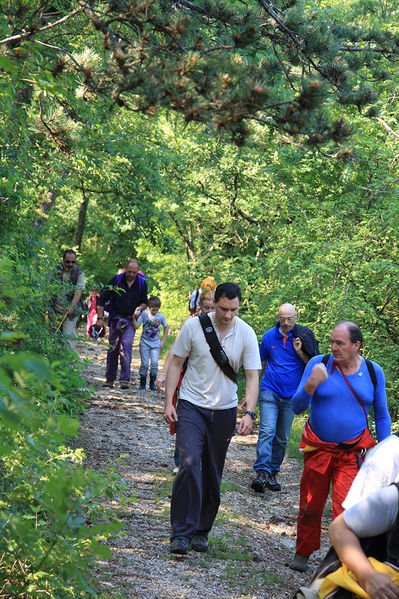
(204, 383)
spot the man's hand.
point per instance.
(70, 310)
(297, 343)
(136, 313)
(380, 586)
(170, 414)
(318, 375)
(245, 426)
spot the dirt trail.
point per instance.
(253, 537)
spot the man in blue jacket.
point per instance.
(284, 351)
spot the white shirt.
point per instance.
(374, 515)
(204, 384)
(380, 469)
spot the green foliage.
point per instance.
(52, 521)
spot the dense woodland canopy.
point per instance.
(249, 140)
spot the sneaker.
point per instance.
(299, 563)
(179, 545)
(124, 384)
(259, 483)
(199, 543)
(271, 482)
(109, 384)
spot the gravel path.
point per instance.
(253, 537)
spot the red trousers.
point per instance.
(321, 468)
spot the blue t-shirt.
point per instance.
(284, 368)
(335, 414)
(151, 328)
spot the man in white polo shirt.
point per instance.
(205, 416)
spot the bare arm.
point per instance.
(172, 379)
(350, 552)
(75, 300)
(298, 348)
(251, 397)
(136, 323)
(165, 334)
(243, 402)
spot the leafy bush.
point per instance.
(52, 521)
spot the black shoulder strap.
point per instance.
(216, 349)
(325, 359)
(369, 365)
(372, 374)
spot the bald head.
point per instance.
(132, 268)
(287, 317)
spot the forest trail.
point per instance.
(253, 537)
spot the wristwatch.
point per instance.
(252, 414)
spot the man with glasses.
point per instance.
(284, 351)
(68, 304)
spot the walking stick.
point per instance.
(62, 321)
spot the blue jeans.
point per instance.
(149, 351)
(276, 418)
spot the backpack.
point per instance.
(141, 276)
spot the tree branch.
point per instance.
(33, 31)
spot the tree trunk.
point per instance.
(80, 226)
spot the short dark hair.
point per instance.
(69, 252)
(354, 331)
(154, 302)
(229, 290)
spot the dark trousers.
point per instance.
(203, 437)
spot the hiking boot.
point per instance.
(271, 482)
(259, 483)
(143, 380)
(153, 378)
(299, 563)
(179, 545)
(124, 384)
(109, 384)
(199, 543)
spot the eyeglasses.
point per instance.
(288, 319)
(69, 261)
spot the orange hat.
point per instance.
(209, 283)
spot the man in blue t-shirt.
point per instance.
(284, 351)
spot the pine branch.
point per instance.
(34, 29)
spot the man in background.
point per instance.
(125, 297)
(67, 304)
(284, 351)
